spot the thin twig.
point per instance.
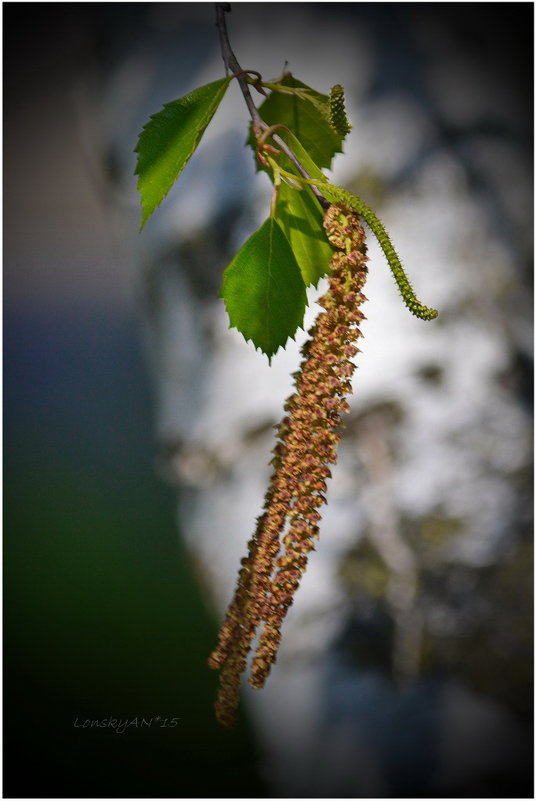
(232, 65)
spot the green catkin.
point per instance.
(339, 195)
(337, 113)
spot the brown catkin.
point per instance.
(307, 445)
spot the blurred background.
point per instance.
(137, 426)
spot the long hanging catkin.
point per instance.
(306, 446)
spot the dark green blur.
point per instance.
(102, 616)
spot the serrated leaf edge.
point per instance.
(216, 102)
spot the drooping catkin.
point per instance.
(307, 444)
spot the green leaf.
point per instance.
(300, 218)
(300, 215)
(290, 85)
(305, 118)
(169, 139)
(263, 289)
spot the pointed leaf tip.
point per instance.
(263, 290)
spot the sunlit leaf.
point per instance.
(169, 139)
(301, 154)
(263, 289)
(306, 118)
(300, 217)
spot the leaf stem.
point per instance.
(232, 65)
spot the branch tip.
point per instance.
(232, 66)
